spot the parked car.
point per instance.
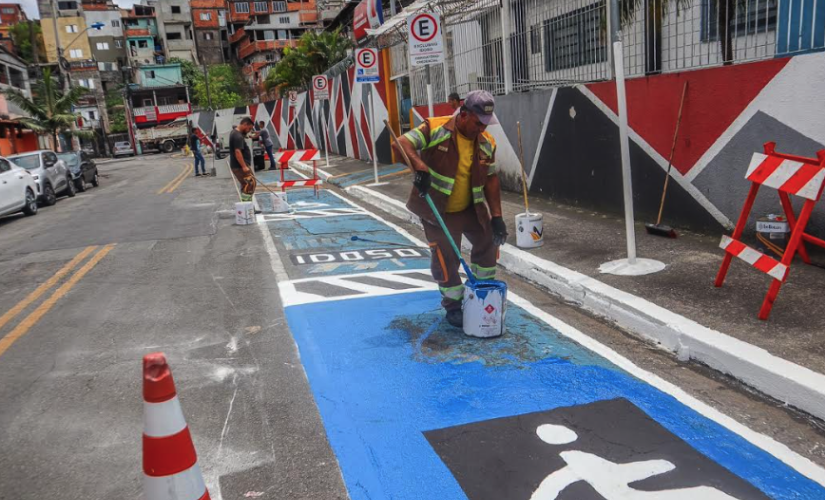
(18, 189)
(82, 167)
(49, 172)
(123, 149)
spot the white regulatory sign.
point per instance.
(293, 98)
(426, 45)
(320, 87)
(366, 66)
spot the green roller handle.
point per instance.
(470, 275)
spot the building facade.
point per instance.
(260, 31)
(211, 35)
(158, 95)
(174, 24)
(10, 14)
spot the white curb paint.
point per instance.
(803, 465)
(788, 382)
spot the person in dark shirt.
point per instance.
(266, 141)
(195, 146)
(240, 159)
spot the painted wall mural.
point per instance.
(343, 123)
(571, 139)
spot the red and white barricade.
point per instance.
(284, 156)
(789, 175)
(170, 465)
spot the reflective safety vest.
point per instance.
(438, 148)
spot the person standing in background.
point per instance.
(454, 101)
(266, 141)
(195, 146)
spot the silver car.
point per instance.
(49, 172)
(123, 149)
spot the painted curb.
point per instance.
(788, 382)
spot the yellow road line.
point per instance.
(173, 181)
(189, 170)
(20, 306)
(30, 320)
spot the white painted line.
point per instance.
(796, 385)
(544, 128)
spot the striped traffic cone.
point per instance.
(170, 465)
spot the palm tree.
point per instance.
(50, 111)
(314, 54)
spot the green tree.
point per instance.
(226, 84)
(315, 53)
(26, 36)
(190, 71)
(116, 110)
(50, 112)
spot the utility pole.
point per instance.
(208, 91)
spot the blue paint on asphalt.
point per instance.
(273, 176)
(383, 372)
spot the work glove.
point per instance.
(499, 231)
(421, 181)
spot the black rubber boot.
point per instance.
(456, 318)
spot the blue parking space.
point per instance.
(414, 409)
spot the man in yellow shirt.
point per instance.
(454, 161)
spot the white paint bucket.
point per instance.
(244, 213)
(529, 230)
(272, 203)
(485, 304)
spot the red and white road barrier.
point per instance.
(793, 177)
(308, 182)
(170, 464)
(757, 259)
(297, 155)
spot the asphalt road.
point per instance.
(382, 398)
(162, 273)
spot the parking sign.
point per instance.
(320, 87)
(426, 45)
(366, 66)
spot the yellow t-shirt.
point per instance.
(461, 196)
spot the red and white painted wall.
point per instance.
(571, 138)
(347, 131)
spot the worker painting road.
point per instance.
(414, 409)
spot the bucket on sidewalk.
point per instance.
(485, 305)
(244, 213)
(529, 230)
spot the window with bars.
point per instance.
(242, 7)
(749, 17)
(261, 7)
(206, 16)
(175, 9)
(576, 38)
(115, 23)
(279, 6)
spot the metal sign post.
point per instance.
(631, 266)
(426, 47)
(320, 89)
(366, 71)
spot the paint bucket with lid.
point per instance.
(485, 305)
(529, 230)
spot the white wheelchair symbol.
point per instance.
(609, 479)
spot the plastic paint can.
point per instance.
(244, 213)
(485, 305)
(529, 230)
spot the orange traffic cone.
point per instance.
(170, 465)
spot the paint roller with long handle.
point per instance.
(470, 274)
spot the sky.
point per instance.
(30, 6)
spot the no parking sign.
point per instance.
(366, 66)
(426, 44)
(320, 87)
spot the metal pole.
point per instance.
(208, 91)
(505, 37)
(627, 185)
(372, 131)
(429, 91)
(324, 128)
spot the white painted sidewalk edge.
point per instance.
(788, 382)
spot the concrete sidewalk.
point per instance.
(678, 309)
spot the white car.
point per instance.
(50, 172)
(18, 189)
